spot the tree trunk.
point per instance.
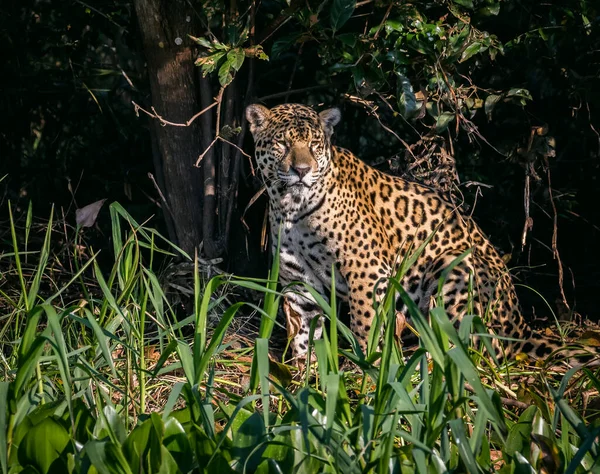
(164, 25)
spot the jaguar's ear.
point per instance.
(256, 115)
(330, 118)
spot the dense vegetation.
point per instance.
(121, 351)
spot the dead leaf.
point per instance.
(86, 216)
(590, 338)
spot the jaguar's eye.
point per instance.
(280, 146)
(315, 144)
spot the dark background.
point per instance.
(69, 134)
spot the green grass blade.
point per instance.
(102, 342)
(271, 305)
(13, 234)
(200, 334)
(41, 264)
(58, 344)
(28, 222)
(4, 388)
(262, 361)
(462, 443)
(332, 382)
(187, 362)
(216, 340)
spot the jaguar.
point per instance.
(329, 211)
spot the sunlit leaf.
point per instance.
(44, 445)
(236, 58)
(470, 50)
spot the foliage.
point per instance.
(478, 74)
(77, 386)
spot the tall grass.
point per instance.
(114, 382)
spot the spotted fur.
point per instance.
(333, 209)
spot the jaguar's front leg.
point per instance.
(300, 309)
(364, 293)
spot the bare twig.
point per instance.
(528, 224)
(555, 238)
(468, 184)
(509, 402)
(160, 193)
(238, 148)
(253, 199)
(163, 122)
(385, 17)
(87, 5)
(203, 154)
(219, 100)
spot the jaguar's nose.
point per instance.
(301, 170)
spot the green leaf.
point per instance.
(490, 10)
(462, 442)
(109, 424)
(407, 102)
(43, 445)
(519, 92)
(519, 435)
(340, 13)
(490, 102)
(142, 447)
(464, 3)
(443, 120)
(106, 457)
(209, 63)
(470, 50)
(201, 41)
(247, 440)
(236, 58)
(283, 45)
(178, 444)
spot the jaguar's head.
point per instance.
(292, 141)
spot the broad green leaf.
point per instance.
(201, 41)
(209, 63)
(247, 440)
(407, 102)
(470, 50)
(44, 445)
(519, 435)
(110, 424)
(490, 10)
(106, 457)
(225, 76)
(464, 3)
(340, 13)
(236, 58)
(443, 120)
(490, 102)
(177, 443)
(519, 92)
(142, 447)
